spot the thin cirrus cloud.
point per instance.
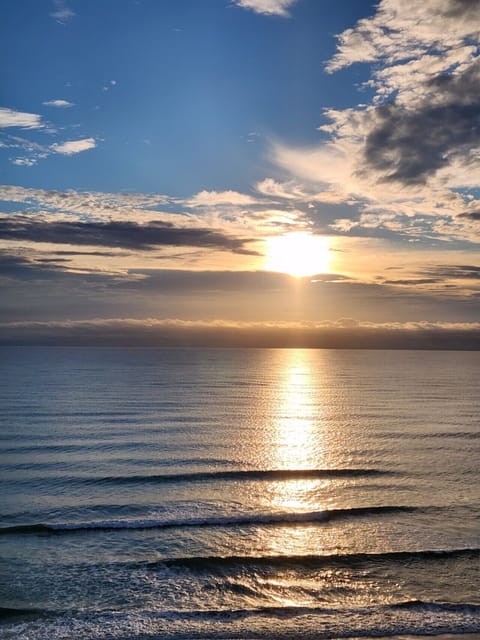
(61, 13)
(267, 7)
(20, 119)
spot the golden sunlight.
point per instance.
(299, 254)
(296, 433)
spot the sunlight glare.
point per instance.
(299, 254)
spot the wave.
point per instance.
(277, 622)
(16, 612)
(287, 611)
(315, 561)
(241, 474)
(209, 521)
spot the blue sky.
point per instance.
(321, 152)
(179, 96)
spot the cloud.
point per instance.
(464, 279)
(287, 191)
(344, 333)
(58, 103)
(61, 13)
(83, 202)
(401, 30)
(215, 198)
(267, 7)
(24, 162)
(10, 118)
(414, 151)
(410, 145)
(74, 146)
(471, 215)
(23, 120)
(127, 235)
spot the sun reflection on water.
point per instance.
(297, 443)
(298, 429)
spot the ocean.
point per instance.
(238, 493)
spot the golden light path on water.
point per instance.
(297, 442)
(302, 432)
(295, 435)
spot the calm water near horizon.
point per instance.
(231, 493)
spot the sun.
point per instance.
(299, 254)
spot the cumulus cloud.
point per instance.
(402, 30)
(410, 145)
(267, 7)
(20, 119)
(414, 151)
(74, 146)
(58, 103)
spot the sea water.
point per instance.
(229, 493)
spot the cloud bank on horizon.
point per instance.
(392, 179)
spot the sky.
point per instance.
(175, 170)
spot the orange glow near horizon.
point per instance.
(298, 254)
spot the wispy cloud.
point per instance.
(20, 119)
(58, 103)
(34, 150)
(62, 13)
(267, 7)
(74, 146)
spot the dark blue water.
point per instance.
(156, 493)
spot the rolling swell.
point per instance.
(241, 474)
(309, 517)
(7, 613)
(213, 563)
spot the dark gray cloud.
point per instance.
(469, 9)
(411, 281)
(437, 274)
(17, 266)
(179, 281)
(408, 145)
(456, 271)
(470, 215)
(124, 235)
(102, 254)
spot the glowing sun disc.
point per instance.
(299, 254)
